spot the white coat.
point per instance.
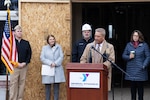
(48, 56)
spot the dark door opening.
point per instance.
(123, 17)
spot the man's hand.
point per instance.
(21, 65)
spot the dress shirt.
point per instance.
(99, 46)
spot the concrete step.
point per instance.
(2, 94)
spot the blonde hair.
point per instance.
(17, 27)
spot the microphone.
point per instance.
(90, 56)
(92, 47)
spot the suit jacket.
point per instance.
(107, 49)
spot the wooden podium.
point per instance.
(87, 81)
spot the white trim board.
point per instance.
(3, 77)
(46, 1)
(13, 15)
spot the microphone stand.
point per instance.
(111, 62)
(113, 65)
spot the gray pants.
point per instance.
(55, 89)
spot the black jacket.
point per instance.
(24, 51)
(78, 49)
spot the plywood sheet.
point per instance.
(38, 20)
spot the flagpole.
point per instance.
(7, 85)
(7, 2)
(7, 89)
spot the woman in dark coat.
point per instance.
(137, 55)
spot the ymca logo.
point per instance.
(85, 77)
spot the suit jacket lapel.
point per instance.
(104, 47)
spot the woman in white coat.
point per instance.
(52, 55)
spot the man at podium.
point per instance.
(99, 51)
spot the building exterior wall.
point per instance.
(38, 19)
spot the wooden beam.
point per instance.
(46, 1)
(107, 1)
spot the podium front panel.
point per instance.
(87, 92)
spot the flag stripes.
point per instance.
(9, 54)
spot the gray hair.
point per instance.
(17, 27)
(101, 30)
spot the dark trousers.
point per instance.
(55, 89)
(137, 86)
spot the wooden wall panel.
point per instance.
(38, 20)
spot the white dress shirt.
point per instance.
(99, 46)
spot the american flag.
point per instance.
(9, 54)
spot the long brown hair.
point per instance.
(141, 37)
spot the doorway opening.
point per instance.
(122, 18)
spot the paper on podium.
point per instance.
(48, 70)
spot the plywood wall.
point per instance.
(38, 20)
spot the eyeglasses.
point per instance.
(136, 35)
